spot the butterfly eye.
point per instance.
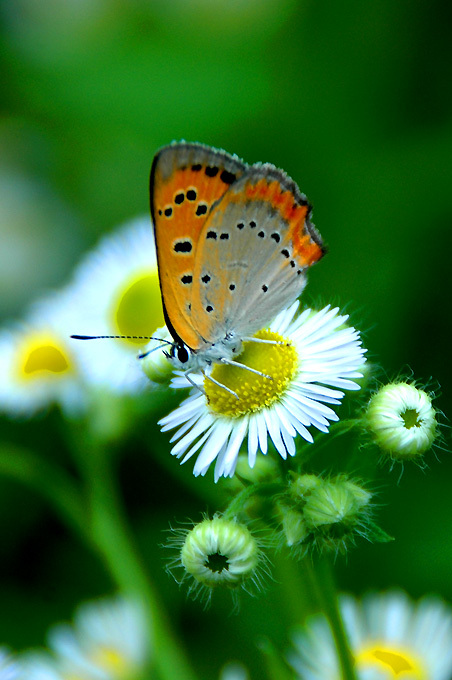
(181, 352)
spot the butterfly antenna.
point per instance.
(119, 337)
(154, 349)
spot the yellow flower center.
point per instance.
(255, 392)
(42, 356)
(411, 418)
(137, 309)
(112, 661)
(399, 663)
(109, 660)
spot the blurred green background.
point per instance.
(354, 101)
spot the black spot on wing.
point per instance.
(183, 247)
(228, 177)
(201, 209)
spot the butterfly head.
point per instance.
(180, 356)
(185, 359)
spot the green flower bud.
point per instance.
(265, 469)
(302, 485)
(402, 421)
(154, 363)
(219, 552)
(324, 513)
(294, 526)
(332, 503)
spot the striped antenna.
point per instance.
(119, 337)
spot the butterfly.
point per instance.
(233, 245)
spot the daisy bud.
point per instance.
(265, 469)
(402, 421)
(302, 485)
(327, 512)
(294, 526)
(218, 552)
(336, 502)
(152, 360)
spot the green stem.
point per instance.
(321, 579)
(110, 535)
(48, 480)
(263, 489)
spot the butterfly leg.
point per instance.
(219, 384)
(266, 342)
(247, 368)
(192, 382)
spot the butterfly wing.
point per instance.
(186, 179)
(252, 255)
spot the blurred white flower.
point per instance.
(109, 640)
(115, 291)
(38, 366)
(9, 668)
(234, 671)
(390, 637)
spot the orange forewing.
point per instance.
(180, 202)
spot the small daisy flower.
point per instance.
(116, 292)
(317, 357)
(402, 421)
(216, 553)
(9, 668)
(38, 366)
(390, 637)
(108, 641)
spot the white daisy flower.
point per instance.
(116, 292)
(390, 637)
(38, 366)
(9, 668)
(318, 357)
(108, 641)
